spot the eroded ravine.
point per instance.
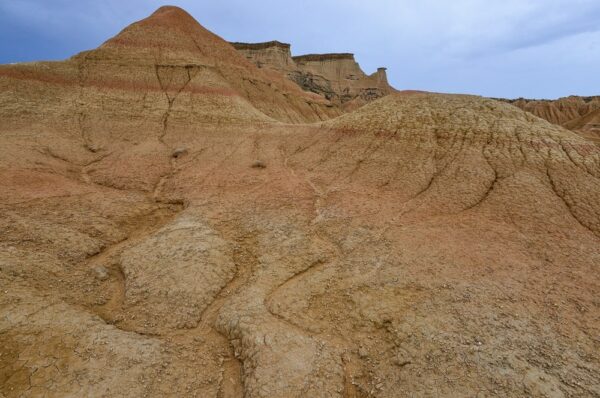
(109, 259)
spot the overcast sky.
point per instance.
(506, 48)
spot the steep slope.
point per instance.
(337, 77)
(159, 237)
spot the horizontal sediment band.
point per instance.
(259, 46)
(323, 57)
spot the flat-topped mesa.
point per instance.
(344, 78)
(336, 76)
(271, 54)
(334, 67)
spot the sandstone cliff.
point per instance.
(270, 55)
(337, 77)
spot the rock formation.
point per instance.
(581, 114)
(272, 55)
(422, 245)
(337, 77)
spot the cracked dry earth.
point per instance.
(423, 245)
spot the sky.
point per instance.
(507, 48)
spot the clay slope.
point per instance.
(580, 114)
(337, 77)
(167, 239)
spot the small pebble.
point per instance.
(101, 273)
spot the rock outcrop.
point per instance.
(422, 245)
(337, 77)
(269, 55)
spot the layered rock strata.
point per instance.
(337, 77)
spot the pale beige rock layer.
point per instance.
(337, 77)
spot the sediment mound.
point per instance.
(163, 233)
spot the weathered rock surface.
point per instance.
(580, 114)
(337, 77)
(425, 244)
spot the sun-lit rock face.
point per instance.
(269, 55)
(337, 77)
(166, 231)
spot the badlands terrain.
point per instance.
(580, 114)
(181, 216)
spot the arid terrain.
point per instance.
(580, 114)
(177, 221)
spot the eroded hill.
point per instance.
(166, 231)
(580, 114)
